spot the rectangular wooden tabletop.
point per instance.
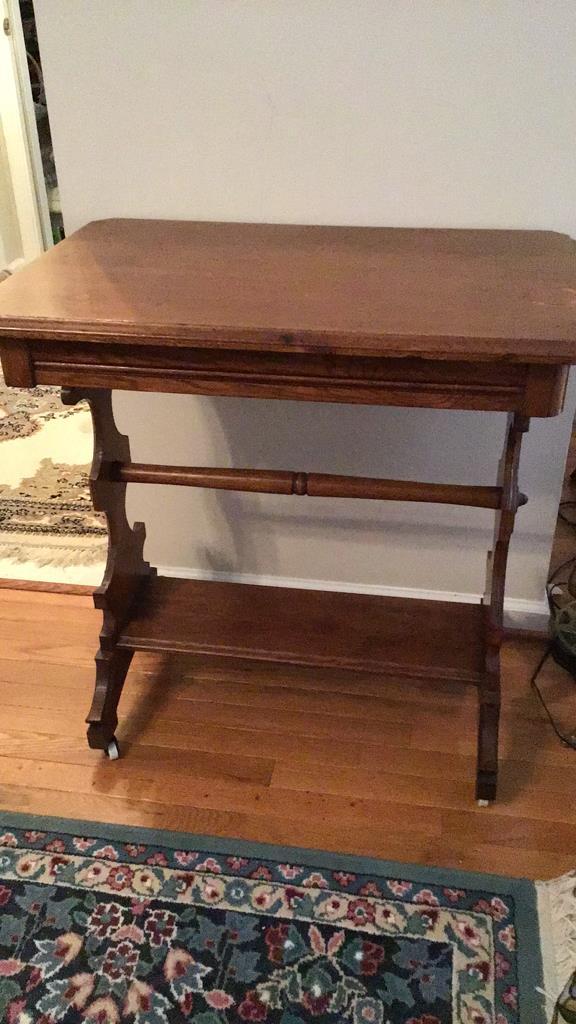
(467, 294)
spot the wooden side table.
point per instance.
(482, 320)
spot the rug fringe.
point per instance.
(59, 556)
(557, 913)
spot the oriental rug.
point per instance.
(108, 924)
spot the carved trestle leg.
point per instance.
(489, 691)
(125, 566)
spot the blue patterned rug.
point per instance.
(111, 924)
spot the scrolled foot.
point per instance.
(111, 669)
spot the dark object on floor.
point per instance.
(560, 591)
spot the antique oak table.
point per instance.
(482, 320)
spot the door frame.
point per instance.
(18, 121)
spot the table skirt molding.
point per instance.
(526, 388)
(519, 613)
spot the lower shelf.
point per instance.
(396, 636)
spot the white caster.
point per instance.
(113, 750)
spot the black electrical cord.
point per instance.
(552, 587)
(564, 505)
(568, 741)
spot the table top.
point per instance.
(470, 294)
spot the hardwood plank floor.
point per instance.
(309, 757)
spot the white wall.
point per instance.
(401, 112)
(10, 240)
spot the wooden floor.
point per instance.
(336, 760)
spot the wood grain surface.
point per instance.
(419, 639)
(328, 759)
(351, 290)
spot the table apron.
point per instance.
(529, 389)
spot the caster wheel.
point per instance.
(113, 750)
(484, 803)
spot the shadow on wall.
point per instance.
(319, 538)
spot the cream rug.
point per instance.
(48, 529)
(557, 915)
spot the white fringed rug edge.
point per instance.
(557, 919)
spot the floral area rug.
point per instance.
(48, 529)
(110, 924)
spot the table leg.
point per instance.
(125, 566)
(489, 692)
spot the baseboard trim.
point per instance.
(519, 614)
